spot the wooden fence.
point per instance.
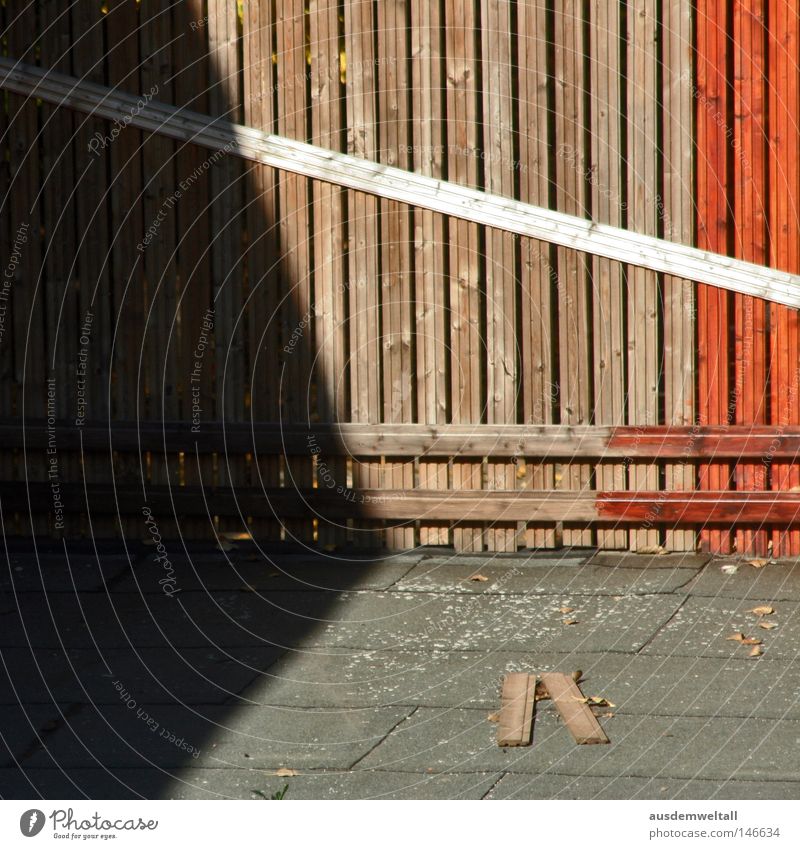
(239, 348)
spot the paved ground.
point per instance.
(375, 676)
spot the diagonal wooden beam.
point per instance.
(417, 190)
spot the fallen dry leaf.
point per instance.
(565, 609)
(493, 717)
(541, 692)
(606, 715)
(570, 622)
(729, 568)
(235, 535)
(478, 578)
(758, 563)
(751, 641)
(598, 701)
(768, 626)
(756, 651)
(652, 549)
(762, 610)
(577, 675)
(738, 637)
(283, 772)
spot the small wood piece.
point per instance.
(577, 715)
(515, 726)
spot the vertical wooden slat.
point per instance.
(193, 267)
(125, 179)
(607, 207)
(363, 246)
(537, 276)
(750, 238)
(58, 285)
(327, 119)
(262, 251)
(7, 235)
(466, 345)
(679, 300)
(784, 233)
(429, 240)
(501, 295)
(643, 198)
(226, 221)
(572, 196)
(396, 267)
(712, 234)
(160, 341)
(93, 261)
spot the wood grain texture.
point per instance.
(538, 278)
(713, 221)
(575, 713)
(784, 239)
(517, 706)
(467, 345)
(573, 197)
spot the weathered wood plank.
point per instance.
(327, 123)
(629, 247)
(160, 332)
(573, 197)
(676, 509)
(713, 217)
(784, 234)
(396, 269)
(363, 245)
(750, 238)
(502, 372)
(545, 442)
(428, 128)
(518, 702)
(679, 296)
(467, 354)
(227, 221)
(643, 213)
(94, 240)
(538, 278)
(127, 386)
(575, 713)
(607, 207)
(193, 264)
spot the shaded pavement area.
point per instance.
(374, 676)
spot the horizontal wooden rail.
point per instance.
(417, 190)
(673, 509)
(547, 442)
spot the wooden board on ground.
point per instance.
(518, 699)
(577, 715)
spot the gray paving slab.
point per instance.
(630, 560)
(462, 740)
(237, 784)
(270, 574)
(64, 572)
(363, 784)
(165, 675)
(548, 786)
(636, 684)
(21, 728)
(778, 581)
(700, 628)
(539, 577)
(168, 736)
(359, 620)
